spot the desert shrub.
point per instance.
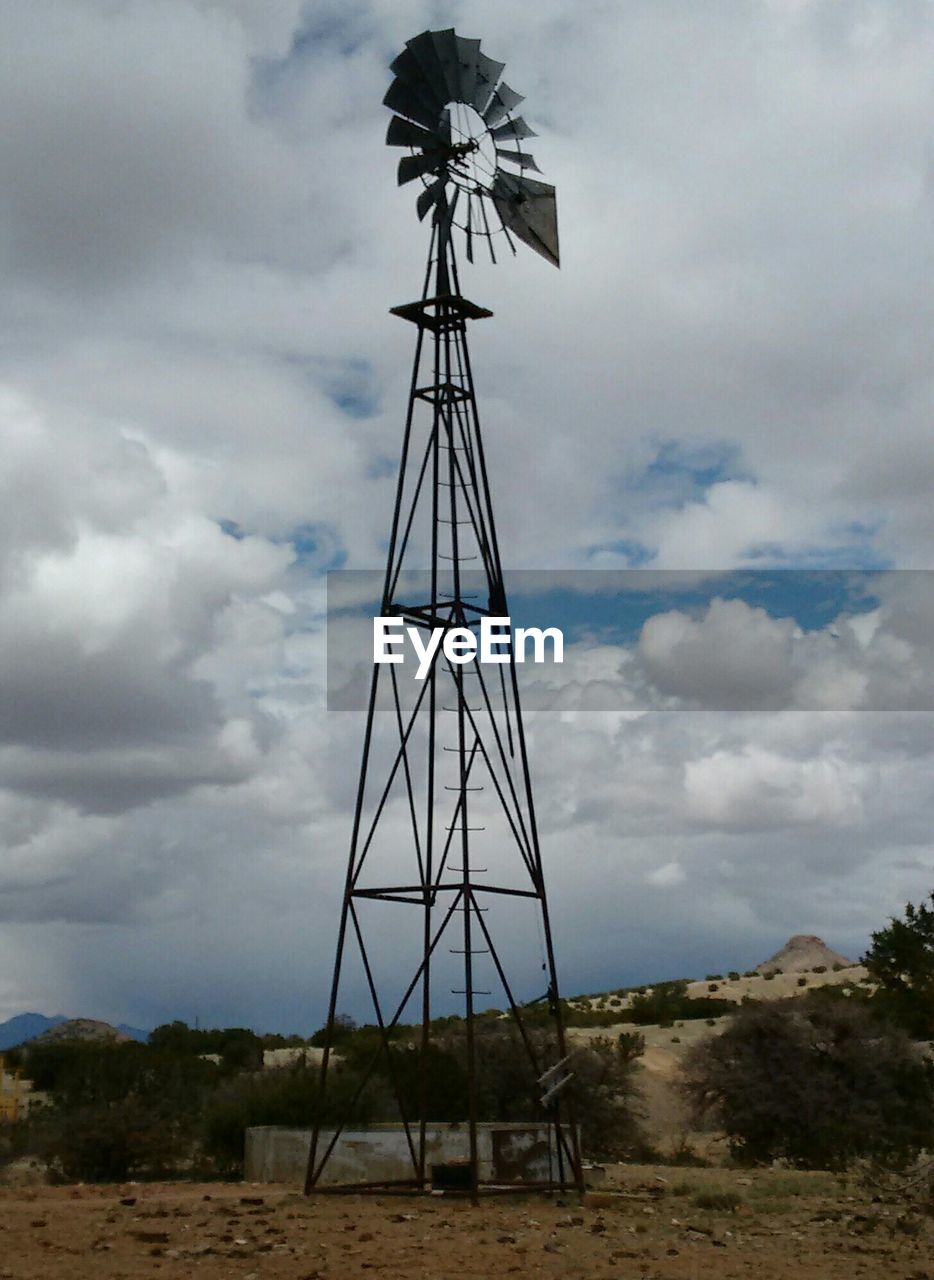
(819, 968)
(684, 1156)
(675, 1040)
(713, 986)
(725, 1201)
(603, 1091)
(901, 964)
(109, 1142)
(116, 1109)
(838, 966)
(714, 977)
(607, 1099)
(769, 976)
(802, 982)
(733, 975)
(751, 973)
(239, 1048)
(817, 1083)
(669, 1003)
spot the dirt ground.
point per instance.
(649, 1223)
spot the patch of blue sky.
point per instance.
(317, 547)
(677, 475)
(691, 470)
(849, 552)
(594, 608)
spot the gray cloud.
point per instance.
(202, 238)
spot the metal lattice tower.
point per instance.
(444, 828)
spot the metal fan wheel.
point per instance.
(455, 114)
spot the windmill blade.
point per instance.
(431, 195)
(403, 133)
(401, 97)
(528, 209)
(467, 55)
(445, 43)
(422, 49)
(411, 167)
(488, 74)
(504, 99)
(517, 129)
(409, 71)
(521, 158)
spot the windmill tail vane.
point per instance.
(445, 833)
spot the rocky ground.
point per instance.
(652, 1223)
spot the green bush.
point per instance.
(669, 1003)
(815, 1082)
(901, 964)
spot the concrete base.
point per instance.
(508, 1153)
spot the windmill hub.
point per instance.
(473, 150)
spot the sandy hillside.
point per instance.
(804, 962)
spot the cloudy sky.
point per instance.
(202, 393)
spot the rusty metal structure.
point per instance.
(444, 828)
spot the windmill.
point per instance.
(444, 829)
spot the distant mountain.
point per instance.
(26, 1026)
(37, 1027)
(134, 1033)
(802, 954)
